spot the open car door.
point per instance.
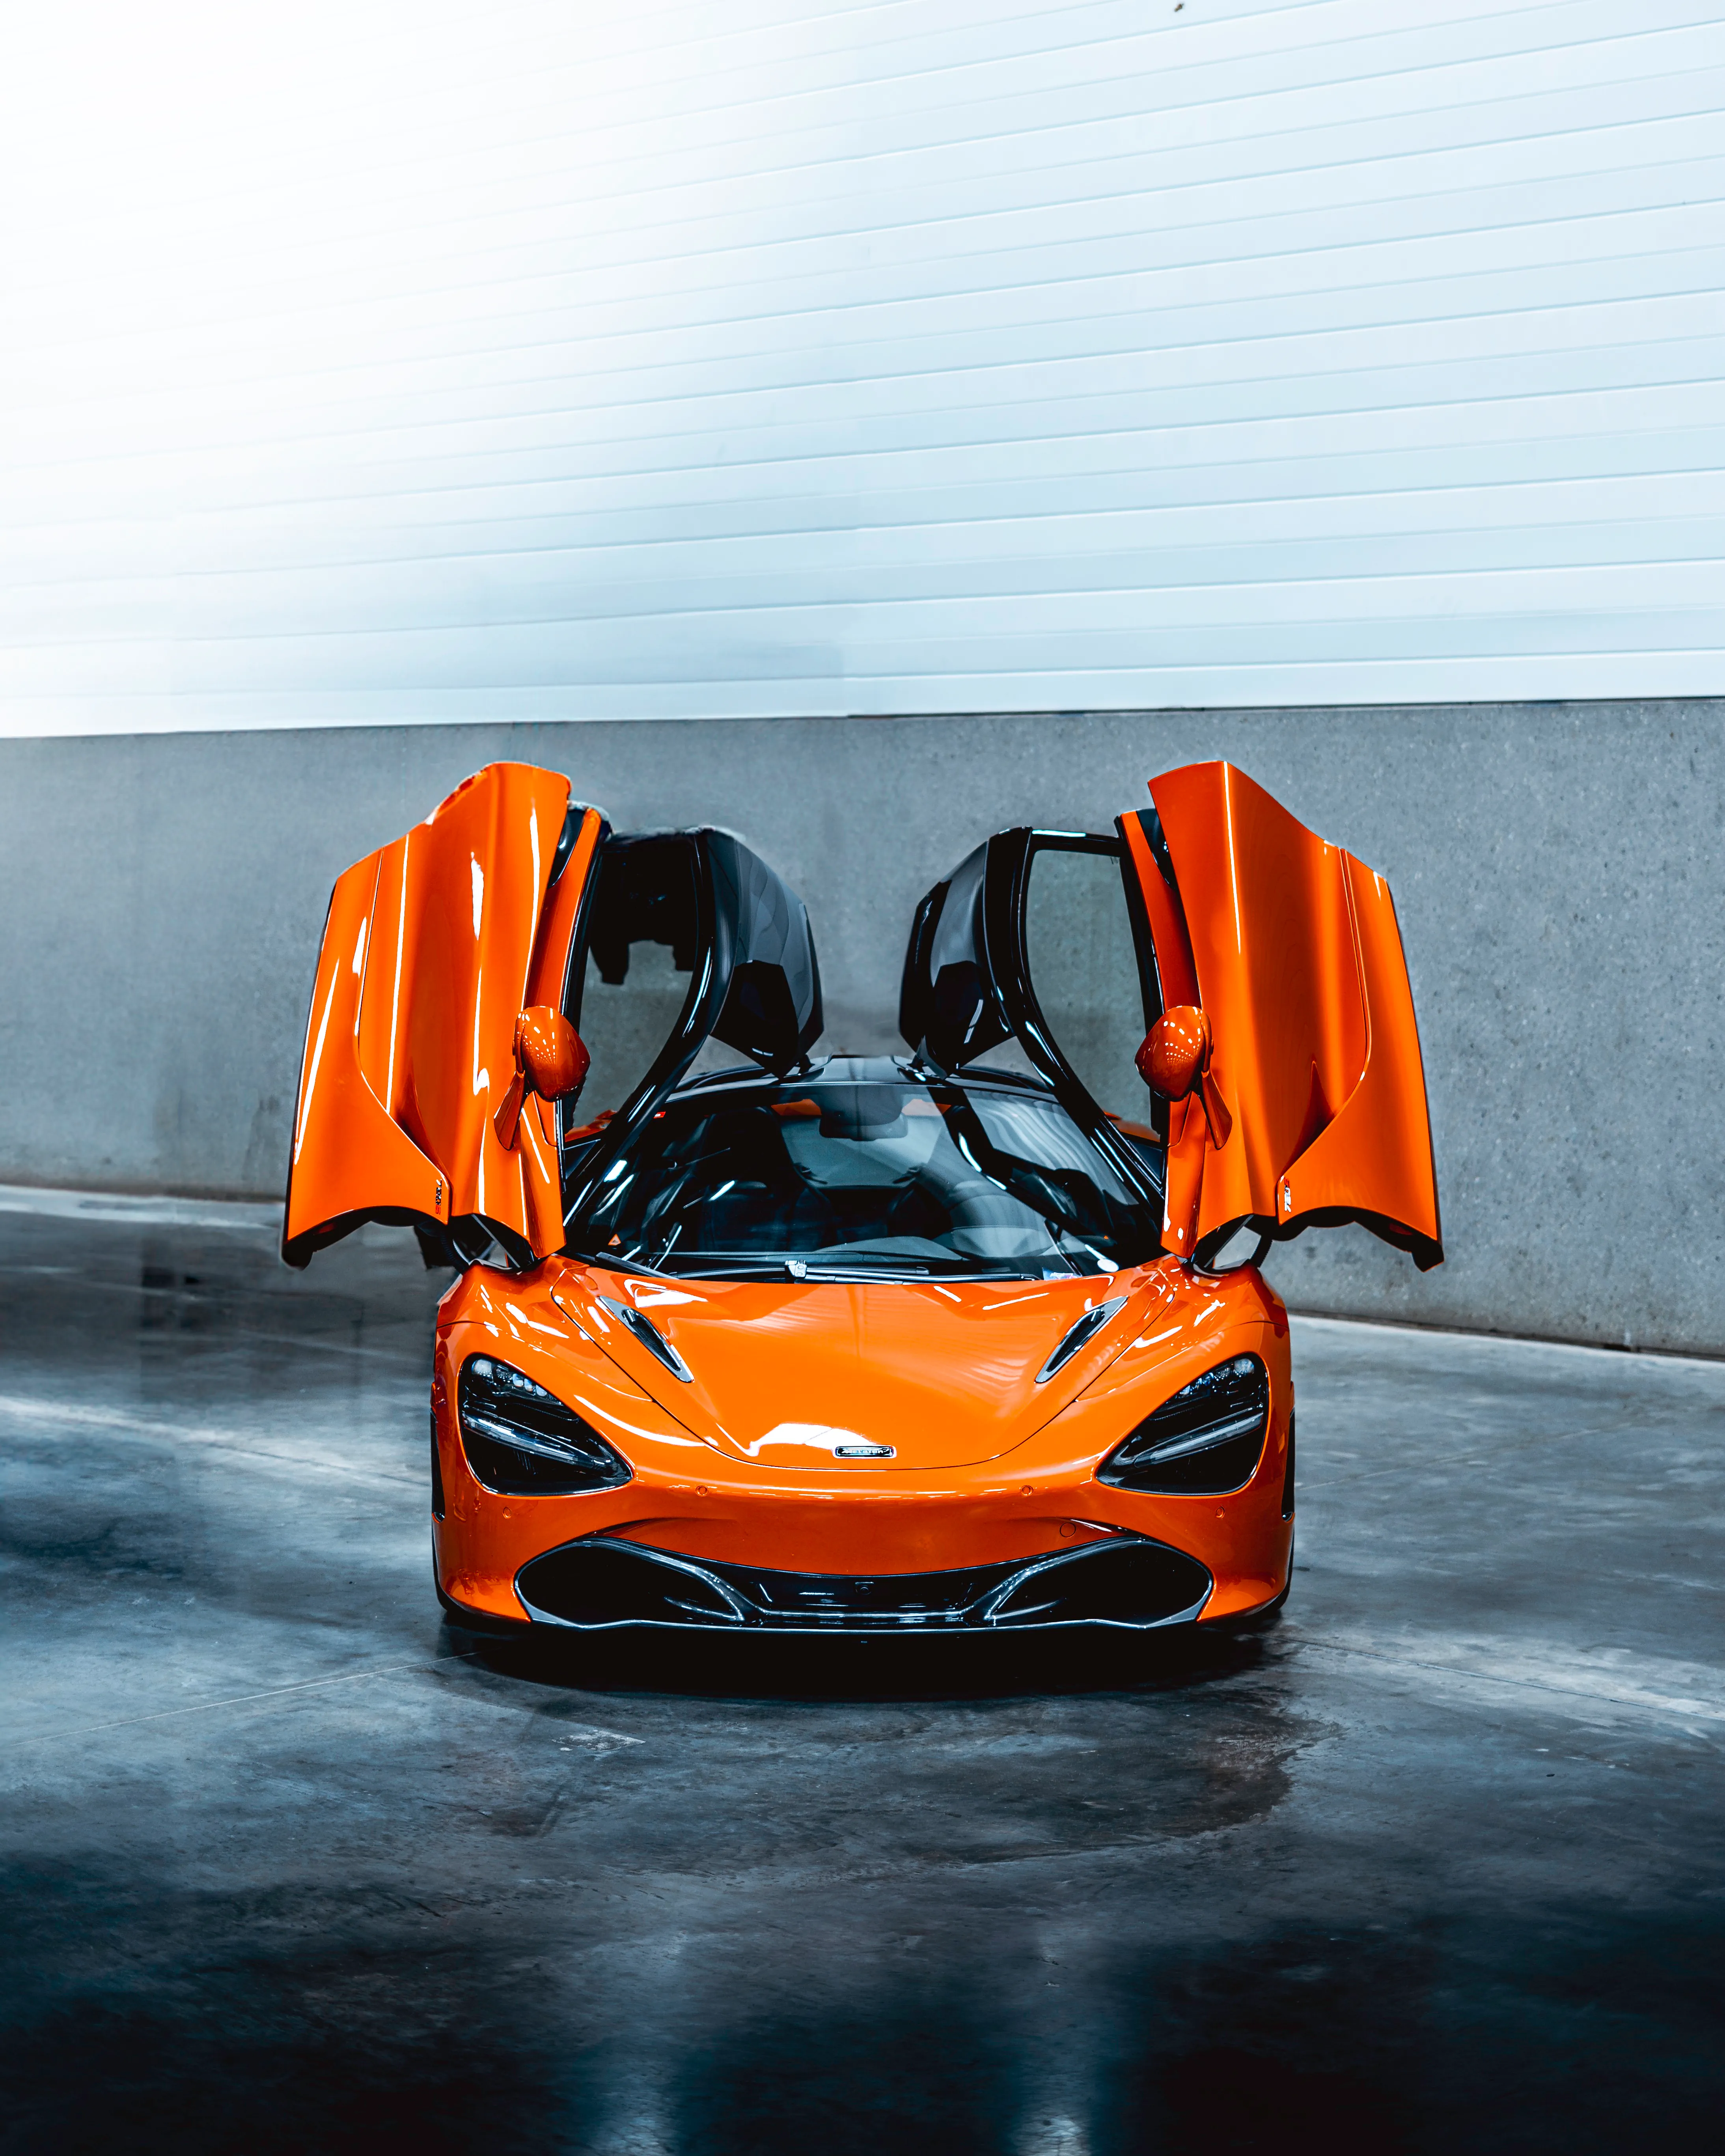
(1281, 956)
(1230, 932)
(433, 948)
(442, 1061)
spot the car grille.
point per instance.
(1127, 1581)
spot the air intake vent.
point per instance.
(649, 1336)
(1127, 1581)
(1085, 1331)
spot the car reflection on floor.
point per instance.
(288, 1861)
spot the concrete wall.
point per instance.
(1559, 869)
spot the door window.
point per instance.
(643, 941)
(1082, 959)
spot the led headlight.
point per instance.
(521, 1441)
(1206, 1439)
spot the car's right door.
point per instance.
(1311, 1108)
(1278, 951)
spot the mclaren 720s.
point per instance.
(970, 1338)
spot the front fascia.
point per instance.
(432, 947)
(685, 1497)
(1318, 1112)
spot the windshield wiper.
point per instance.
(705, 1264)
(615, 1261)
(905, 1269)
(738, 1265)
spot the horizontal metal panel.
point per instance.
(942, 354)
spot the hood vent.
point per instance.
(649, 1336)
(1085, 1330)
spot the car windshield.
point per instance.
(877, 1178)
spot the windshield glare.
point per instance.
(877, 1179)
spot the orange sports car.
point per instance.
(970, 1337)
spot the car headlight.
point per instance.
(522, 1441)
(1206, 1439)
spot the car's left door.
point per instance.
(458, 964)
(432, 949)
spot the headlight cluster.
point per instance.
(522, 1441)
(1208, 1439)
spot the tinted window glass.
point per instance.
(642, 946)
(1084, 972)
(884, 1177)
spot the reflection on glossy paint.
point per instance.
(603, 1413)
(401, 931)
(531, 1324)
(568, 1314)
(525, 1129)
(816, 1436)
(310, 1088)
(481, 1078)
(1232, 867)
(651, 1295)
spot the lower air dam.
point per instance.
(600, 1583)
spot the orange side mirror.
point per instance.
(1173, 1057)
(550, 1052)
(1174, 1061)
(551, 1060)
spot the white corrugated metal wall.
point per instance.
(382, 363)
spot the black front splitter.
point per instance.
(600, 1582)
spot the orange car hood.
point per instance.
(781, 1375)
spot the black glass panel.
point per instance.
(1083, 964)
(643, 941)
(948, 1005)
(772, 1009)
(859, 1169)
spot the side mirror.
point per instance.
(550, 1053)
(551, 1060)
(1175, 1050)
(1175, 1060)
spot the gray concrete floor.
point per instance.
(1434, 1864)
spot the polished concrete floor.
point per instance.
(1434, 1864)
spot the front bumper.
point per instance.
(873, 1548)
(600, 1583)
